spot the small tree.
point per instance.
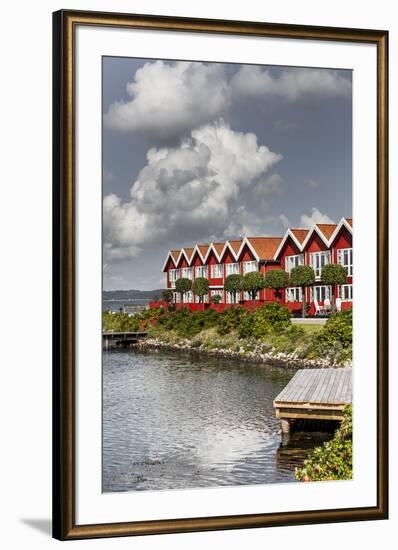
(215, 299)
(233, 284)
(302, 276)
(167, 295)
(183, 285)
(200, 287)
(277, 279)
(253, 282)
(334, 274)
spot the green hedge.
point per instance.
(333, 460)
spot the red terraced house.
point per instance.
(318, 246)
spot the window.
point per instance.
(344, 257)
(186, 272)
(345, 293)
(248, 296)
(176, 297)
(318, 260)
(294, 294)
(230, 297)
(201, 271)
(205, 299)
(293, 261)
(217, 293)
(216, 271)
(174, 274)
(232, 269)
(187, 297)
(321, 293)
(248, 267)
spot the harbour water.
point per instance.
(175, 421)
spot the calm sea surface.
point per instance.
(173, 421)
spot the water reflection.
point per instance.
(178, 421)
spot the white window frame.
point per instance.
(229, 298)
(173, 276)
(293, 261)
(247, 295)
(249, 266)
(344, 258)
(342, 289)
(176, 297)
(205, 299)
(216, 271)
(316, 261)
(201, 271)
(232, 269)
(294, 294)
(187, 273)
(187, 297)
(320, 289)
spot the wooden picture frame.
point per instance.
(65, 24)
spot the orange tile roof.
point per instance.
(175, 254)
(327, 229)
(235, 245)
(188, 252)
(219, 247)
(349, 220)
(265, 247)
(203, 249)
(300, 234)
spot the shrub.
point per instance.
(333, 460)
(231, 319)
(187, 323)
(167, 295)
(216, 299)
(337, 330)
(120, 322)
(269, 319)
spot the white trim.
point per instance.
(284, 239)
(212, 248)
(328, 243)
(250, 246)
(196, 249)
(315, 229)
(227, 244)
(169, 254)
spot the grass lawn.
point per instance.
(309, 328)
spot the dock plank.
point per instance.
(318, 386)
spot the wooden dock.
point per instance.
(122, 339)
(317, 394)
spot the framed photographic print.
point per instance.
(210, 369)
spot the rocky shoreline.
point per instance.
(256, 355)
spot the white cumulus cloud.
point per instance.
(169, 99)
(315, 217)
(190, 192)
(292, 84)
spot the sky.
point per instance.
(195, 152)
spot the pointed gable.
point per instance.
(327, 229)
(300, 234)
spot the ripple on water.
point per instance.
(172, 421)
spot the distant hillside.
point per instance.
(131, 294)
